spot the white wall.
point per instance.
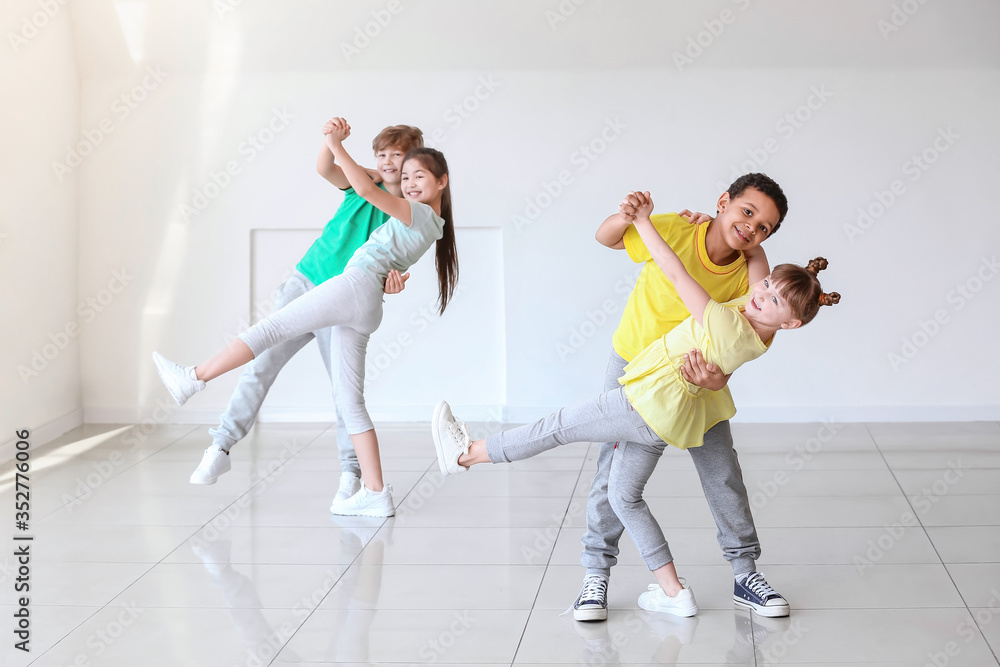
(40, 371)
(535, 89)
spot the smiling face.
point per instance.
(420, 184)
(768, 308)
(747, 219)
(389, 163)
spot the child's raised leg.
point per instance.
(609, 417)
(234, 355)
(477, 454)
(337, 301)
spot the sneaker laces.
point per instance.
(459, 432)
(594, 588)
(759, 586)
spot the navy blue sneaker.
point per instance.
(592, 605)
(754, 593)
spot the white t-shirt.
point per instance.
(396, 246)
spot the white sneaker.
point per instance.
(349, 485)
(682, 604)
(181, 381)
(367, 503)
(213, 463)
(451, 439)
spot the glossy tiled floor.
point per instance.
(884, 538)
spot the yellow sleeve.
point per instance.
(722, 327)
(636, 249)
(720, 322)
(726, 330)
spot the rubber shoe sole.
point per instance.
(375, 514)
(591, 614)
(435, 431)
(774, 611)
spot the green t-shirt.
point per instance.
(350, 227)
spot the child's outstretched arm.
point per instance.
(611, 233)
(359, 179)
(330, 170)
(693, 295)
(326, 166)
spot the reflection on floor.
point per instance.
(885, 538)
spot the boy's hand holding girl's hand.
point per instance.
(643, 205)
(336, 129)
(335, 126)
(636, 204)
(629, 208)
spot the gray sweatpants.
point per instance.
(260, 374)
(352, 304)
(721, 479)
(608, 417)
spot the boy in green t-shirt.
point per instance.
(750, 211)
(350, 227)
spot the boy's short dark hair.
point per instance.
(767, 186)
(403, 137)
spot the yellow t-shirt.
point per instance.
(653, 307)
(677, 411)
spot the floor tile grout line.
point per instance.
(129, 585)
(185, 540)
(349, 566)
(102, 608)
(923, 527)
(244, 493)
(548, 562)
(258, 483)
(68, 633)
(120, 472)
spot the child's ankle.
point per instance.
(672, 589)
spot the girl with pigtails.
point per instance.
(656, 406)
(352, 302)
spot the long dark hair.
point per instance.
(445, 252)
